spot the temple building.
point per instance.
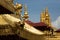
(45, 22)
(6, 7)
(45, 17)
(13, 28)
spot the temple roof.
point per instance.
(29, 22)
(40, 24)
(2, 21)
(7, 5)
(58, 30)
(5, 27)
(36, 24)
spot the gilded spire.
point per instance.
(46, 11)
(47, 19)
(26, 16)
(25, 9)
(44, 17)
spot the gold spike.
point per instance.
(25, 9)
(48, 22)
(46, 10)
(42, 16)
(26, 16)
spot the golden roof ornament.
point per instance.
(26, 16)
(46, 11)
(45, 17)
(18, 9)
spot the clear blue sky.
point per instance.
(35, 7)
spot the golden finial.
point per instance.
(46, 9)
(25, 9)
(26, 16)
(45, 17)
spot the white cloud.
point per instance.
(56, 23)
